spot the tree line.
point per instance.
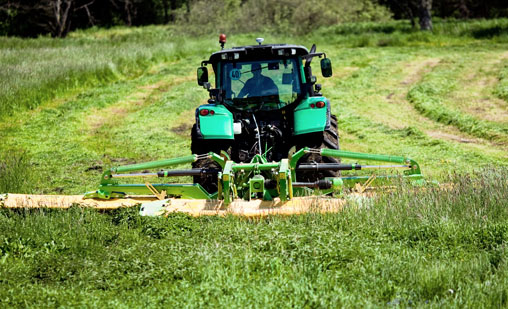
(422, 10)
(29, 18)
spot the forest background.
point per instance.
(31, 18)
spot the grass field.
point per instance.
(70, 107)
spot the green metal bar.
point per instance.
(296, 156)
(362, 156)
(293, 160)
(259, 159)
(227, 178)
(290, 183)
(217, 158)
(154, 164)
(414, 168)
(283, 180)
(190, 191)
(255, 166)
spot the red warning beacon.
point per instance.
(222, 40)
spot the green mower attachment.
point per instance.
(257, 179)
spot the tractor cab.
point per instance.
(262, 77)
(260, 84)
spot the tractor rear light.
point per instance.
(212, 112)
(320, 104)
(312, 105)
(204, 112)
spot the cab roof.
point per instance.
(258, 52)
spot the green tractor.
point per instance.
(267, 133)
(265, 102)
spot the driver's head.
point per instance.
(256, 69)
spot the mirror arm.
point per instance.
(308, 56)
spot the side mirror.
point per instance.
(326, 67)
(202, 76)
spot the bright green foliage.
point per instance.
(400, 33)
(16, 173)
(81, 61)
(440, 248)
(286, 16)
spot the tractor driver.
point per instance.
(259, 85)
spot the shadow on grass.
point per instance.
(490, 32)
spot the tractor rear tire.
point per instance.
(329, 138)
(202, 146)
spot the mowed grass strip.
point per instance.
(375, 116)
(431, 94)
(124, 122)
(480, 80)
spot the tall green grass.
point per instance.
(437, 247)
(502, 86)
(17, 173)
(36, 70)
(400, 33)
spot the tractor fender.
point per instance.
(216, 124)
(309, 118)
